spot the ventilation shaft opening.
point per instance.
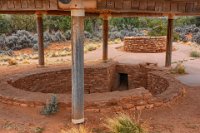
(123, 81)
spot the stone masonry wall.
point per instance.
(98, 79)
(159, 87)
(137, 75)
(156, 83)
(145, 44)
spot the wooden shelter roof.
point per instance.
(114, 7)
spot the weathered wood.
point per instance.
(17, 4)
(135, 4)
(143, 5)
(10, 4)
(151, 6)
(20, 5)
(178, 7)
(77, 69)
(110, 4)
(105, 38)
(127, 4)
(169, 42)
(31, 4)
(53, 4)
(119, 4)
(40, 39)
(189, 7)
(158, 6)
(174, 7)
(24, 4)
(39, 4)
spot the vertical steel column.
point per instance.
(78, 66)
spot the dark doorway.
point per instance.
(123, 81)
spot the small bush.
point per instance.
(51, 107)
(179, 69)
(160, 30)
(195, 54)
(123, 124)
(117, 41)
(12, 62)
(38, 130)
(91, 47)
(81, 129)
(176, 37)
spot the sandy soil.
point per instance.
(183, 117)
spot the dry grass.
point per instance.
(80, 129)
(195, 54)
(12, 62)
(179, 69)
(123, 123)
(116, 41)
(91, 47)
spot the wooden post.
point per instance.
(105, 38)
(169, 41)
(40, 39)
(78, 66)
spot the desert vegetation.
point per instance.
(179, 69)
(51, 107)
(121, 123)
(19, 31)
(195, 54)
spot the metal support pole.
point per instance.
(105, 38)
(78, 66)
(169, 41)
(40, 39)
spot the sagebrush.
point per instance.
(51, 107)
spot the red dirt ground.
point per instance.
(54, 46)
(182, 117)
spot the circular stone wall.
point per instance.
(145, 44)
(148, 87)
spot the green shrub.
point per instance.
(179, 69)
(51, 107)
(123, 124)
(176, 37)
(159, 27)
(195, 54)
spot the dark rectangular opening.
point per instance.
(123, 81)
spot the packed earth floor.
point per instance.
(180, 117)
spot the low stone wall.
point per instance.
(145, 44)
(148, 87)
(98, 79)
(156, 83)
